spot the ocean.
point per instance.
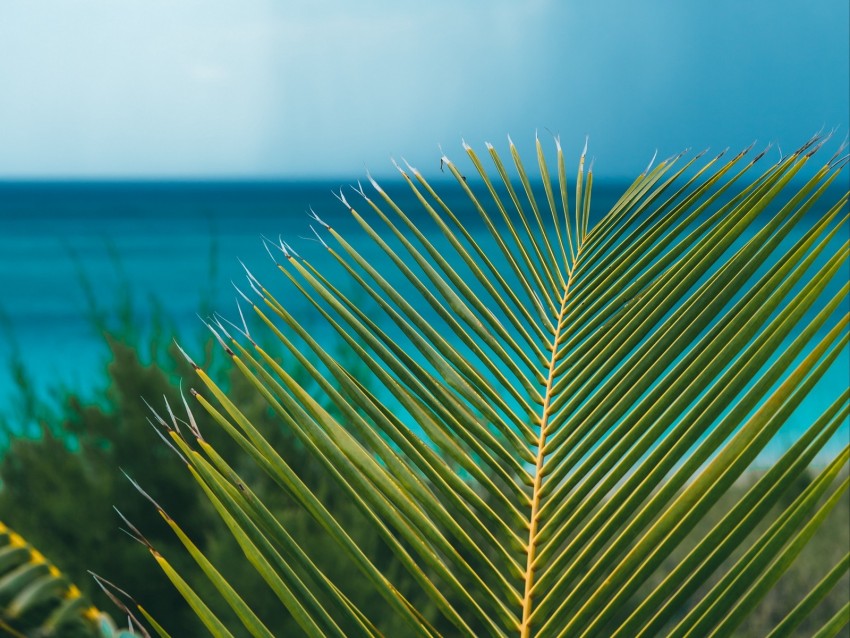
(69, 250)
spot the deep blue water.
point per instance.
(66, 246)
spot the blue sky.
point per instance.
(189, 89)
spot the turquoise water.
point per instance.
(68, 247)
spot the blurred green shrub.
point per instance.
(60, 476)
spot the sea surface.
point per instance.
(73, 250)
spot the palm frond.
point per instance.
(557, 405)
(38, 600)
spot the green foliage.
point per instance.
(38, 601)
(60, 481)
(72, 470)
(552, 415)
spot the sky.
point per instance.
(183, 89)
